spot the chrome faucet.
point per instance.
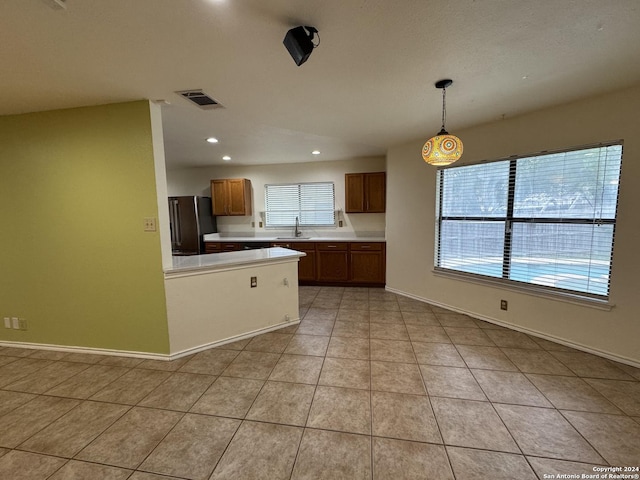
(297, 232)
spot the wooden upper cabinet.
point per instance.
(231, 196)
(365, 192)
(375, 192)
(354, 192)
(219, 197)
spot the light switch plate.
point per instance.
(7, 322)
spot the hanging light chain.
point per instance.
(444, 106)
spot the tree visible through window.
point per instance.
(311, 203)
(547, 220)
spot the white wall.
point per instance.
(195, 181)
(411, 224)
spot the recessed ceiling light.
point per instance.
(212, 140)
(315, 152)
(226, 158)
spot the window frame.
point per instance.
(299, 210)
(509, 220)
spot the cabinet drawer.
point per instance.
(283, 244)
(366, 246)
(210, 247)
(332, 246)
(299, 246)
(229, 246)
(303, 246)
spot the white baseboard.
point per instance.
(535, 333)
(219, 343)
(144, 355)
(89, 350)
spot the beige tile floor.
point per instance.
(370, 385)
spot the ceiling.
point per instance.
(369, 84)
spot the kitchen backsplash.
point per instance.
(356, 224)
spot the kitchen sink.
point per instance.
(293, 238)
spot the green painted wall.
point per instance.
(75, 262)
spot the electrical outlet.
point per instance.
(22, 322)
(254, 282)
(7, 322)
(150, 224)
(503, 304)
(260, 224)
(15, 323)
(287, 318)
(339, 223)
(253, 224)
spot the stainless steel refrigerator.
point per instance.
(190, 218)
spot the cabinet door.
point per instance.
(239, 202)
(367, 267)
(367, 262)
(332, 266)
(375, 192)
(354, 192)
(219, 197)
(333, 262)
(307, 267)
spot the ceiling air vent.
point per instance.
(200, 98)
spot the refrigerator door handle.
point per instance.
(172, 222)
(176, 234)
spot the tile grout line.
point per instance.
(304, 429)
(435, 418)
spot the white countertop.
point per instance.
(226, 260)
(215, 237)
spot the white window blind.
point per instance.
(311, 203)
(546, 220)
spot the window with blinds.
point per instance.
(311, 203)
(546, 220)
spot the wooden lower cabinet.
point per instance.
(330, 263)
(333, 261)
(307, 264)
(367, 263)
(350, 263)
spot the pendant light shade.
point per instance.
(443, 148)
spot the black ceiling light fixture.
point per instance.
(299, 43)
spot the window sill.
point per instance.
(532, 290)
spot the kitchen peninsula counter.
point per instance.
(230, 260)
(218, 298)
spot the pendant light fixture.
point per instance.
(442, 149)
